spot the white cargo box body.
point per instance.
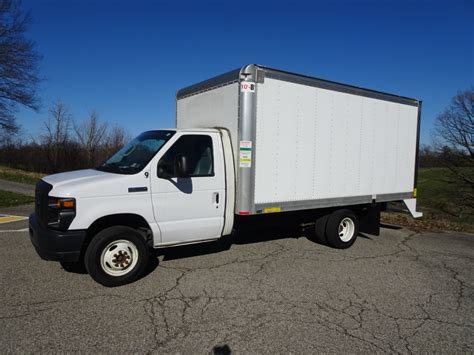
(302, 142)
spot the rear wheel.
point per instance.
(320, 229)
(116, 256)
(342, 229)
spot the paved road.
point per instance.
(399, 292)
(25, 189)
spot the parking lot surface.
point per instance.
(261, 292)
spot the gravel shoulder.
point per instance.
(17, 187)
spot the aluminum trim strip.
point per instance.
(394, 197)
(332, 202)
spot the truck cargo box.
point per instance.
(302, 143)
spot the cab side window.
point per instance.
(198, 151)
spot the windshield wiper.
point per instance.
(117, 168)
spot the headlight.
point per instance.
(61, 212)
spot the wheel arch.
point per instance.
(131, 220)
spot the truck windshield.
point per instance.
(134, 156)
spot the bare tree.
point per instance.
(56, 132)
(455, 125)
(91, 135)
(18, 65)
(454, 141)
(116, 139)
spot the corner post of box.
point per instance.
(246, 145)
(418, 126)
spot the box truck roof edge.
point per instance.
(263, 72)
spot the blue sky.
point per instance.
(127, 59)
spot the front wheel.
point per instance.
(116, 256)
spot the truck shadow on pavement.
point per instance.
(251, 234)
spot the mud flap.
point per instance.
(369, 220)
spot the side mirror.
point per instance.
(161, 172)
(181, 168)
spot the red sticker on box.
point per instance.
(247, 86)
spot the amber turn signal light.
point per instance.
(67, 203)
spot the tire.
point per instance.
(116, 256)
(320, 230)
(342, 229)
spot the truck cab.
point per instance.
(166, 187)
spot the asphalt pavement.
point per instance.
(265, 291)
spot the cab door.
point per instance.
(190, 208)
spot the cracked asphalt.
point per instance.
(262, 292)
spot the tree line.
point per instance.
(64, 143)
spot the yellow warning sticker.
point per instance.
(272, 209)
(245, 159)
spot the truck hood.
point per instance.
(92, 183)
(74, 177)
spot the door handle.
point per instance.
(215, 199)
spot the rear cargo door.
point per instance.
(191, 208)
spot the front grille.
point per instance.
(41, 201)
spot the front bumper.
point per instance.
(56, 245)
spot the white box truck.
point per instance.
(249, 143)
